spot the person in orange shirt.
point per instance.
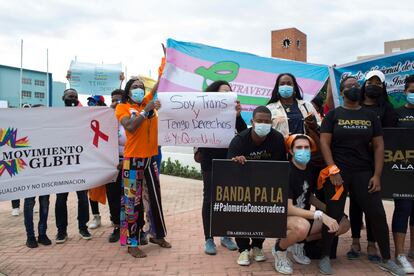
(140, 178)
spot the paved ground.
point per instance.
(182, 204)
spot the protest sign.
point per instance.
(398, 171)
(190, 67)
(55, 150)
(249, 200)
(396, 67)
(94, 79)
(197, 119)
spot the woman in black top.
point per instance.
(349, 134)
(205, 157)
(374, 97)
(404, 208)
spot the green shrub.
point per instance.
(176, 169)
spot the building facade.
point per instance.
(289, 44)
(36, 88)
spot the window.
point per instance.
(26, 94)
(395, 50)
(39, 82)
(26, 81)
(39, 95)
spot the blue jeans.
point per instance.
(29, 204)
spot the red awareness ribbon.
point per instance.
(98, 133)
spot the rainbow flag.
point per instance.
(191, 67)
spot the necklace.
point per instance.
(287, 107)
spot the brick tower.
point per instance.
(289, 44)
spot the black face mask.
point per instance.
(71, 102)
(353, 94)
(373, 91)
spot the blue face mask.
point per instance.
(285, 91)
(410, 98)
(262, 129)
(137, 95)
(302, 156)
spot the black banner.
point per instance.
(398, 173)
(249, 200)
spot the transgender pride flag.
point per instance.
(191, 67)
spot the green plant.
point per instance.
(176, 169)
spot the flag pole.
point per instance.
(21, 73)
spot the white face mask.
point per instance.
(262, 129)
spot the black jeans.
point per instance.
(371, 204)
(205, 211)
(61, 211)
(15, 203)
(94, 207)
(29, 204)
(114, 194)
(245, 244)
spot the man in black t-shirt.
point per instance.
(260, 142)
(303, 223)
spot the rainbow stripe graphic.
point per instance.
(191, 67)
(13, 167)
(9, 137)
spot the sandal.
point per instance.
(353, 254)
(136, 252)
(161, 242)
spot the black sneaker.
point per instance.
(43, 239)
(114, 237)
(85, 234)
(31, 242)
(61, 237)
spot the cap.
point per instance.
(97, 99)
(293, 137)
(375, 73)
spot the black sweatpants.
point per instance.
(114, 193)
(371, 204)
(355, 217)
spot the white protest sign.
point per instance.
(197, 119)
(54, 150)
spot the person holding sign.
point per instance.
(404, 208)
(70, 97)
(374, 97)
(260, 142)
(206, 156)
(349, 135)
(302, 223)
(140, 173)
(290, 113)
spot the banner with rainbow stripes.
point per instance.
(191, 67)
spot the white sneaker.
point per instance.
(244, 258)
(15, 212)
(406, 265)
(282, 263)
(258, 254)
(298, 253)
(95, 223)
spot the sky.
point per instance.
(131, 31)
